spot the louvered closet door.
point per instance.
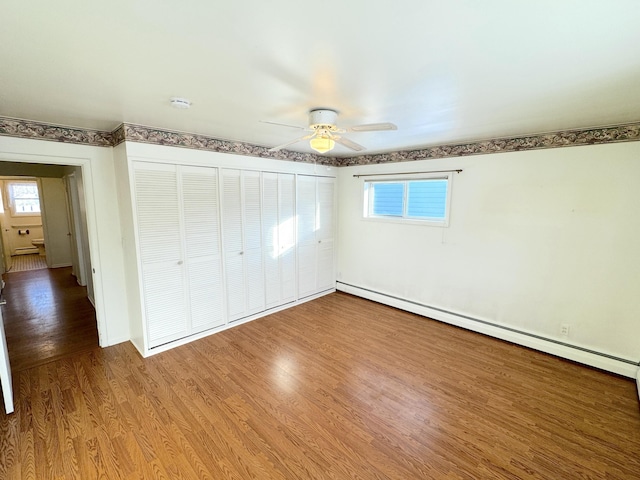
(316, 227)
(325, 234)
(271, 239)
(160, 240)
(278, 211)
(307, 244)
(233, 243)
(202, 240)
(254, 273)
(287, 236)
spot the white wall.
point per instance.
(536, 239)
(102, 222)
(131, 272)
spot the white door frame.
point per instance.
(5, 367)
(85, 164)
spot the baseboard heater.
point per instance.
(593, 358)
(25, 250)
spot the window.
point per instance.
(23, 198)
(424, 199)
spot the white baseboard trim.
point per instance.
(116, 341)
(60, 265)
(603, 361)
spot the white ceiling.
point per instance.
(443, 71)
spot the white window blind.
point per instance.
(421, 199)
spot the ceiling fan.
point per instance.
(325, 134)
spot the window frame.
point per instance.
(12, 204)
(406, 179)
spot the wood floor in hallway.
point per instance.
(47, 316)
(336, 388)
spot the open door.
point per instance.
(5, 367)
(75, 222)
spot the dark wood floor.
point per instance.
(47, 316)
(337, 388)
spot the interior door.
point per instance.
(159, 230)
(5, 367)
(242, 237)
(254, 272)
(233, 243)
(202, 241)
(307, 243)
(75, 222)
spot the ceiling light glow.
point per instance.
(322, 143)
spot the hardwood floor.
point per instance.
(337, 388)
(47, 316)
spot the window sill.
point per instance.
(408, 221)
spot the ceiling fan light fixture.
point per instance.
(322, 143)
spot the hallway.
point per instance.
(47, 317)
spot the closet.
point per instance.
(217, 246)
(315, 208)
(177, 218)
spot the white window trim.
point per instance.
(12, 207)
(404, 178)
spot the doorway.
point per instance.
(48, 314)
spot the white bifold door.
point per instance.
(243, 250)
(315, 210)
(177, 215)
(279, 233)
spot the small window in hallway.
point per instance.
(23, 198)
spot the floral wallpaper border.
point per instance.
(567, 138)
(13, 127)
(137, 133)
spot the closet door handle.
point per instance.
(241, 253)
(180, 262)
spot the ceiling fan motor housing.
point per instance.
(323, 119)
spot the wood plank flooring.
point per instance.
(47, 316)
(337, 388)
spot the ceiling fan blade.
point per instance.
(373, 127)
(348, 143)
(284, 125)
(280, 147)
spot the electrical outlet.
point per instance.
(564, 330)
